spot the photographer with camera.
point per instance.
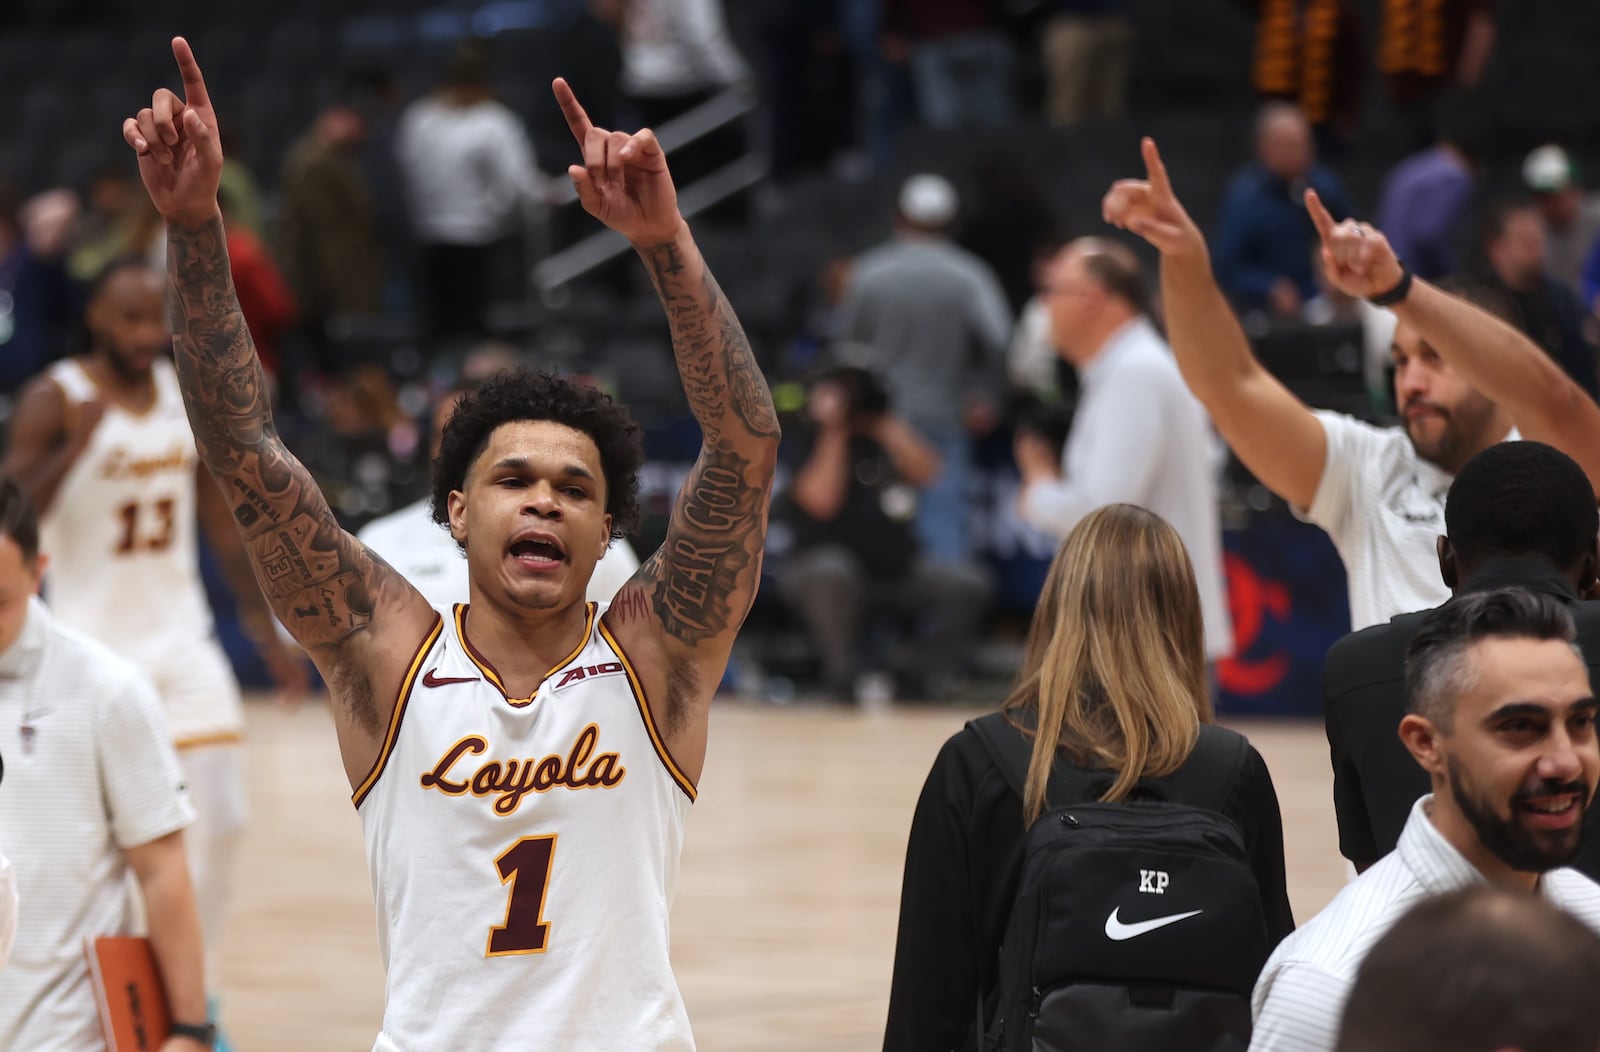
(850, 507)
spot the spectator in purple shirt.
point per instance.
(1421, 208)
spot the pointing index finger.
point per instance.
(194, 84)
(577, 119)
(1155, 168)
(1319, 215)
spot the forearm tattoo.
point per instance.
(705, 574)
(320, 581)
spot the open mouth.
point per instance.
(1552, 812)
(536, 553)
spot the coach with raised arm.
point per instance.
(1464, 380)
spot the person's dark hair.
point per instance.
(17, 519)
(523, 394)
(1438, 670)
(112, 269)
(1485, 296)
(1521, 499)
(1474, 971)
(1498, 216)
(864, 392)
(469, 65)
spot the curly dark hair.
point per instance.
(523, 394)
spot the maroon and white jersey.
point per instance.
(524, 855)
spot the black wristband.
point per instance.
(205, 1033)
(1401, 290)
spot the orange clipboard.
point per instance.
(128, 991)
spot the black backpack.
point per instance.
(1137, 926)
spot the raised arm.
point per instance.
(287, 668)
(357, 618)
(688, 600)
(1268, 428)
(1492, 356)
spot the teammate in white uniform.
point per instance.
(522, 772)
(423, 552)
(103, 448)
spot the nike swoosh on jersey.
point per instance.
(431, 680)
(1118, 931)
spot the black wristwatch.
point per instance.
(205, 1033)
(1401, 290)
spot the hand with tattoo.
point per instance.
(623, 181)
(180, 153)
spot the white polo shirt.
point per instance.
(8, 909)
(90, 773)
(1299, 999)
(1383, 508)
(424, 553)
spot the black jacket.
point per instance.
(1375, 778)
(963, 863)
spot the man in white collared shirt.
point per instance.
(1500, 713)
(1138, 436)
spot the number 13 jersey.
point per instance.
(524, 855)
(124, 561)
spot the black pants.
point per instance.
(453, 293)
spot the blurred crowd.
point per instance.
(390, 251)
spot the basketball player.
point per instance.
(524, 766)
(102, 448)
(421, 551)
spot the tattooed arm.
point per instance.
(329, 591)
(704, 577)
(679, 614)
(357, 618)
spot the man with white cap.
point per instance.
(937, 324)
(1571, 217)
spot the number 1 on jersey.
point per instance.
(524, 865)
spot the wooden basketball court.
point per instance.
(783, 931)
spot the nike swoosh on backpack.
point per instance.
(431, 680)
(1118, 931)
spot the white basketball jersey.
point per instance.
(124, 565)
(524, 856)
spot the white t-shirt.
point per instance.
(1383, 507)
(424, 553)
(1299, 1000)
(90, 773)
(468, 170)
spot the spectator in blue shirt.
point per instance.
(1591, 280)
(1264, 244)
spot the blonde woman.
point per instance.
(1114, 679)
